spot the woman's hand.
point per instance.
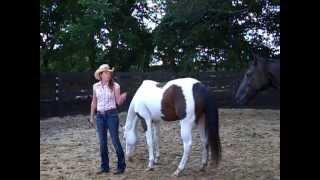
(120, 98)
(92, 121)
(123, 97)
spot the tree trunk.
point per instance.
(46, 58)
(92, 56)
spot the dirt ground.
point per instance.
(250, 149)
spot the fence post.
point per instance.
(57, 95)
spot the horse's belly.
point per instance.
(156, 114)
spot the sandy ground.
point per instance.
(250, 149)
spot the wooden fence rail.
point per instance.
(70, 93)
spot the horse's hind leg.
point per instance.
(204, 142)
(186, 135)
(150, 144)
(156, 131)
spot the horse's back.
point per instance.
(149, 82)
(183, 82)
(147, 99)
(152, 87)
(169, 101)
(145, 87)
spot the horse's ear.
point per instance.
(254, 57)
(257, 59)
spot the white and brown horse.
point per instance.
(186, 100)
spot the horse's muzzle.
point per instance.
(130, 159)
(240, 101)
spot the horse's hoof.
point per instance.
(176, 173)
(203, 169)
(156, 161)
(130, 159)
(149, 169)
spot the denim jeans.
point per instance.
(109, 121)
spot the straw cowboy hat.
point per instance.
(102, 68)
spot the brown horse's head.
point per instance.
(254, 80)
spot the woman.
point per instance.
(106, 97)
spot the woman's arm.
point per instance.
(120, 98)
(93, 106)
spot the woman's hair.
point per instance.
(111, 82)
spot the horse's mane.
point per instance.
(266, 59)
(161, 84)
(272, 60)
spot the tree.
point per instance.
(81, 34)
(215, 29)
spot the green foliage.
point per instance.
(82, 34)
(212, 25)
(79, 35)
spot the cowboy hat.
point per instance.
(102, 68)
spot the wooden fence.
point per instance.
(70, 93)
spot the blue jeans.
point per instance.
(104, 122)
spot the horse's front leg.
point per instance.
(186, 130)
(156, 131)
(150, 145)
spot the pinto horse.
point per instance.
(186, 100)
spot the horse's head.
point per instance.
(254, 80)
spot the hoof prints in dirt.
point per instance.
(250, 149)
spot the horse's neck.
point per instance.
(131, 118)
(273, 70)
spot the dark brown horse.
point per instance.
(261, 75)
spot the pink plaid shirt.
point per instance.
(105, 97)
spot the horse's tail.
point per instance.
(212, 126)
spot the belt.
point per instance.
(107, 111)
